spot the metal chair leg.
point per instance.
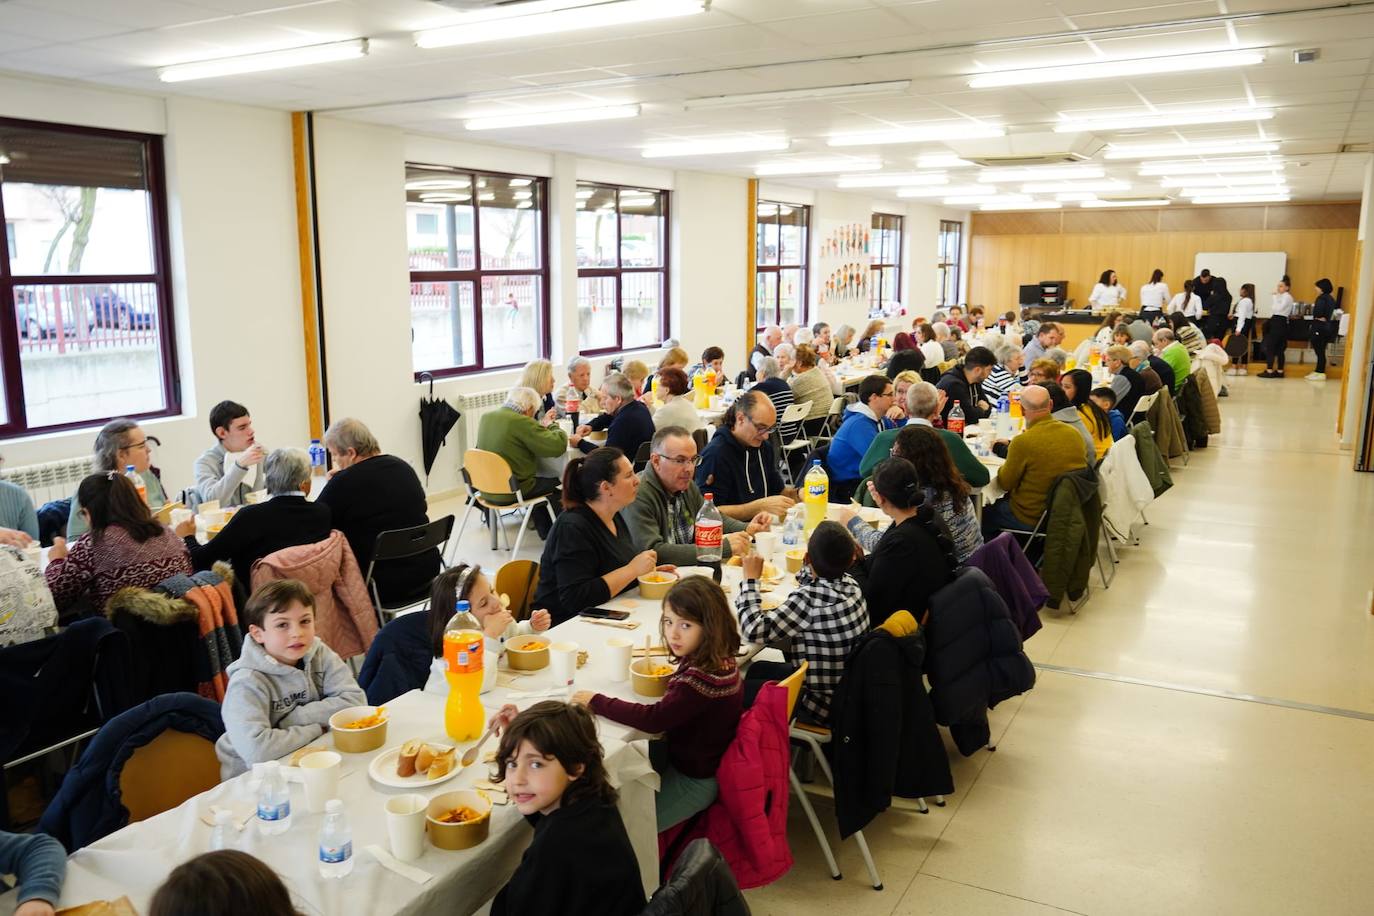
(520, 535)
(815, 825)
(453, 542)
(817, 752)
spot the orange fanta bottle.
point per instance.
(463, 650)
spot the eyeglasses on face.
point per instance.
(681, 461)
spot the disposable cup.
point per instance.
(320, 773)
(563, 661)
(766, 543)
(619, 651)
(405, 826)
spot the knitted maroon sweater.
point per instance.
(698, 717)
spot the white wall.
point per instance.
(235, 284)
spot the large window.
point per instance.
(783, 257)
(85, 266)
(622, 268)
(885, 290)
(951, 243)
(479, 277)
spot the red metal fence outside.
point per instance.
(62, 318)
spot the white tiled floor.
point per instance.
(1107, 797)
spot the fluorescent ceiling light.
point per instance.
(774, 210)
(4, 159)
(797, 95)
(817, 167)
(1069, 124)
(566, 116)
(966, 200)
(1157, 151)
(941, 161)
(1214, 167)
(1056, 187)
(1220, 181)
(584, 193)
(1264, 191)
(436, 184)
(893, 180)
(1042, 173)
(713, 148)
(1140, 202)
(488, 195)
(926, 133)
(1243, 199)
(1028, 205)
(445, 198)
(967, 189)
(547, 18)
(524, 205)
(268, 60)
(1106, 69)
(521, 182)
(522, 195)
(1075, 197)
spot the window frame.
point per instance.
(11, 370)
(879, 267)
(944, 266)
(474, 276)
(804, 267)
(620, 269)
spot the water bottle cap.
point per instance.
(815, 462)
(314, 441)
(128, 468)
(333, 806)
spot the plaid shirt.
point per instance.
(824, 618)
(682, 527)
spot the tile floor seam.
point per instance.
(1279, 702)
(989, 890)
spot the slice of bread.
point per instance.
(443, 763)
(405, 762)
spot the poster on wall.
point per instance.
(843, 259)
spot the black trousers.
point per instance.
(1321, 336)
(1276, 341)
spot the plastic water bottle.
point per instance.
(955, 421)
(336, 841)
(317, 458)
(274, 801)
(815, 495)
(708, 531)
(137, 480)
(221, 836)
(1002, 424)
(792, 529)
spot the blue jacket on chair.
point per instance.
(87, 806)
(398, 660)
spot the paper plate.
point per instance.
(383, 770)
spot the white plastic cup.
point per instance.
(619, 651)
(766, 543)
(563, 662)
(405, 826)
(320, 773)
(180, 516)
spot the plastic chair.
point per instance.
(641, 456)
(814, 737)
(518, 580)
(1145, 403)
(165, 772)
(832, 422)
(794, 414)
(487, 472)
(399, 544)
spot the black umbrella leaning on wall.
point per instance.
(437, 417)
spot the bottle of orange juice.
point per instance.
(464, 719)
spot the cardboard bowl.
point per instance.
(795, 559)
(356, 740)
(458, 836)
(646, 684)
(655, 588)
(518, 659)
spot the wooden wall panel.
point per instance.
(1030, 222)
(1111, 221)
(1314, 216)
(1210, 219)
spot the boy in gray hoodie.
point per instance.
(286, 683)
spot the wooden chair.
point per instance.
(488, 473)
(167, 771)
(518, 580)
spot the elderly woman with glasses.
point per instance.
(119, 444)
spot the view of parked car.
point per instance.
(111, 310)
(37, 320)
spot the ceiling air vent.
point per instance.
(1003, 162)
(468, 6)
(1356, 148)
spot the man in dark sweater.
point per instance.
(738, 465)
(370, 493)
(961, 383)
(627, 422)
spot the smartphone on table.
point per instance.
(605, 613)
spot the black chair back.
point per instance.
(401, 543)
(641, 456)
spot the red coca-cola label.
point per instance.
(709, 534)
(955, 425)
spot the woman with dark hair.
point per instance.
(1218, 309)
(905, 356)
(677, 409)
(589, 555)
(120, 444)
(1108, 293)
(1323, 327)
(125, 547)
(1276, 330)
(1078, 385)
(914, 558)
(220, 884)
(1153, 297)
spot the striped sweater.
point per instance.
(94, 569)
(698, 717)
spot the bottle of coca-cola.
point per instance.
(572, 406)
(709, 529)
(955, 421)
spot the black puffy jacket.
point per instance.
(973, 657)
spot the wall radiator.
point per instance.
(51, 480)
(474, 407)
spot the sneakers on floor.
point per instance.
(1316, 376)
(1270, 373)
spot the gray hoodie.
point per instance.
(212, 482)
(271, 709)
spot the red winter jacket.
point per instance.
(748, 820)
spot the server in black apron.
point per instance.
(1276, 331)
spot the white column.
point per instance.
(1357, 368)
(563, 259)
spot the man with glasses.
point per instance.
(862, 423)
(738, 465)
(663, 516)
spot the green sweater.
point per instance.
(1035, 459)
(651, 526)
(521, 441)
(1176, 355)
(16, 509)
(969, 466)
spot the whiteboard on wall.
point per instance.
(1262, 268)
